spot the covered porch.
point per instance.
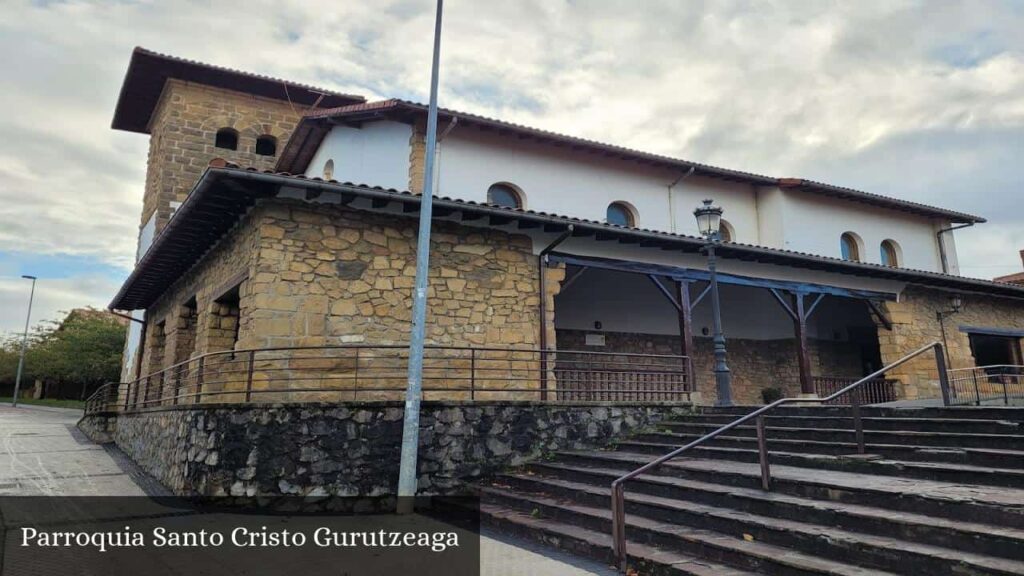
(792, 337)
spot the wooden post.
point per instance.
(803, 351)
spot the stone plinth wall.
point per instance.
(352, 449)
(915, 325)
(755, 364)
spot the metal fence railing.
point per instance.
(872, 392)
(997, 384)
(364, 372)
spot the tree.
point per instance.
(79, 354)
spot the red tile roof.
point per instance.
(307, 137)
(148, 71)
(212, 210)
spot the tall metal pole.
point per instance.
(24, 340)
(407, 476)
(723, 378)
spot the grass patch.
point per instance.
(54, 402)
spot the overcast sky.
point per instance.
(913, 99)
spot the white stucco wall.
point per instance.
(562, 181)
(376, 154)
(815, 223)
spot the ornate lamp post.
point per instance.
(709, 221)
(956, 303)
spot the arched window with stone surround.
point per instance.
(890, 252)
(505, 194)
(329, 169)
(227, 138)
(621, 214)
(849, 246)
(266, 145)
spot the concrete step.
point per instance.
(836, 544)
(876, 464)
(972, 456)
(970, 503)
(566, 481)
(734, 550)
(888, 423)
(938, 439)
(1014, 414)
(647, 560)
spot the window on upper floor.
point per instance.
(329, 169)
(266, 145)
(849, 246)
(621, 214)
(504, 194)
(726, 233)
(890, 253)
(227, 138)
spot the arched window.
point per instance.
(849, 246)
(329, 169)
(227, 138)
(266, 145)
(505, 195)
(890, 253)
(621, 214)
(726, 233)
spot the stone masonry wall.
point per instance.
(227, 264)
(183, 131)
(915, 325)
(755, 364)
(352, 449)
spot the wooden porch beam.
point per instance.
(665, 291)
(803, 350)
(885, 320)
(685, 309)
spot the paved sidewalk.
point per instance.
(43, 453)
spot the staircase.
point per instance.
(939, 492)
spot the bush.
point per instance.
(770, 394)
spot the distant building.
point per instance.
(280, 215)
(1016, 278)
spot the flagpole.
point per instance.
(407, 478)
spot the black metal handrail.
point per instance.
(379, 372)
(618, 492)
(987, 384)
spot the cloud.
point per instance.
(913, 99)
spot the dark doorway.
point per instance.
(989, 350)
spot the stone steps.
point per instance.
(598, 545)
(566, 481)
(737, 552)
(941, 471)
(850, 548)
(941, 492)
(934, 439)
(973, 456)
(845, 422)
(1012, 414)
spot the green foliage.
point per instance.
(80, 353)
(770, 395)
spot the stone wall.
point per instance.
(183, 131)
(186, 321)
(755, 364)
(915, 325)
(352, 449)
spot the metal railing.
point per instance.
(367, 372)
(995, 384)
(618, 491)
(871, 392)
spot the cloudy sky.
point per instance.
(922, 100)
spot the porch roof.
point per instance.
(225, 192)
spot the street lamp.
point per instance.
(24, 340)
(956, 303)
(709, 221)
